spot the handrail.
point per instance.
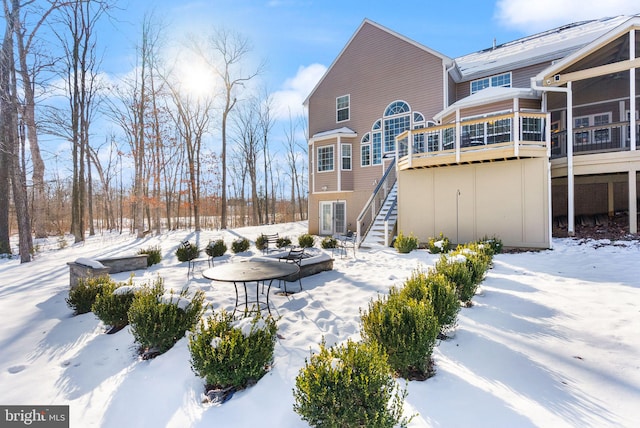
(365, 219)
(387, 232)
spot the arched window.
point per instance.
(397, 119)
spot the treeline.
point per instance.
(156, 168)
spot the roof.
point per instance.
(546, 46)
(344, 131)
(366, 21)
(488, 95)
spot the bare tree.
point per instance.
(192, 122)
(294, 158)
(266, 122)
(13, 134)
(248, 139)
(79, 20)
(225, 53)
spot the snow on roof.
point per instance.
(489, 95)
(546, 46)
(333, 132)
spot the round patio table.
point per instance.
(251, 271)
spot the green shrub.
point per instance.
(240, 245)
(494, 243)
(154, 254)
(328, 242)
(262, 242)
(83, 295)
(438, 245)
(478, 261)
(406, 329)
(216, 248)
(405, 244)
(159, 320)
(113, 302)
(185, 253)
(439, 292)
(283, 242)
(228, 353)
(349, 386)
(306, 240)
(455, 269)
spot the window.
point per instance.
(377, 148)
(498, 131)
(365, 150)
(397, 120)
(342, 108)
(499, 80)
(592, 134)
(532, 129)
(365, 155)
(346, 157)
(325, 158)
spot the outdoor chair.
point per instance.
(295, 255)
(270, 239)
(347, 242)
(194, 258)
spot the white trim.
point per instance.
(342, 157)
(318, 148)
(348, 108)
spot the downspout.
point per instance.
(570, 178)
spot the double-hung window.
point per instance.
(342, 108)
(325, 158)
(346, 157)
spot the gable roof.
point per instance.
(604, 39)
(367, 21)
(548, 45)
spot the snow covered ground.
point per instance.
(553, 339)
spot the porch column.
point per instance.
(516, 127)
(339, 164)
(571, 228)
(610, 199)
(458, 139)
(632, 91)
(633, 210)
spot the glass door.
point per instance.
(333, 216)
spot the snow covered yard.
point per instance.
(552, 339)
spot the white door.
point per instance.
(333, 216)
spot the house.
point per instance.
(502, 142)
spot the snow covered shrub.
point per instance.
(283, 242)
(158, 319)
(478, 260)
(405, 244)
(438, 245)
(436, 289)
(216, 248)
(454, 268)
(306, 240)
(349, 386)
(406, 329)
(232, 353)
(328, 242)
(494, 243)
(262, 242)
(240, 245)
(188, 252)
(83, 296)
(154, 254)
(113, 302)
